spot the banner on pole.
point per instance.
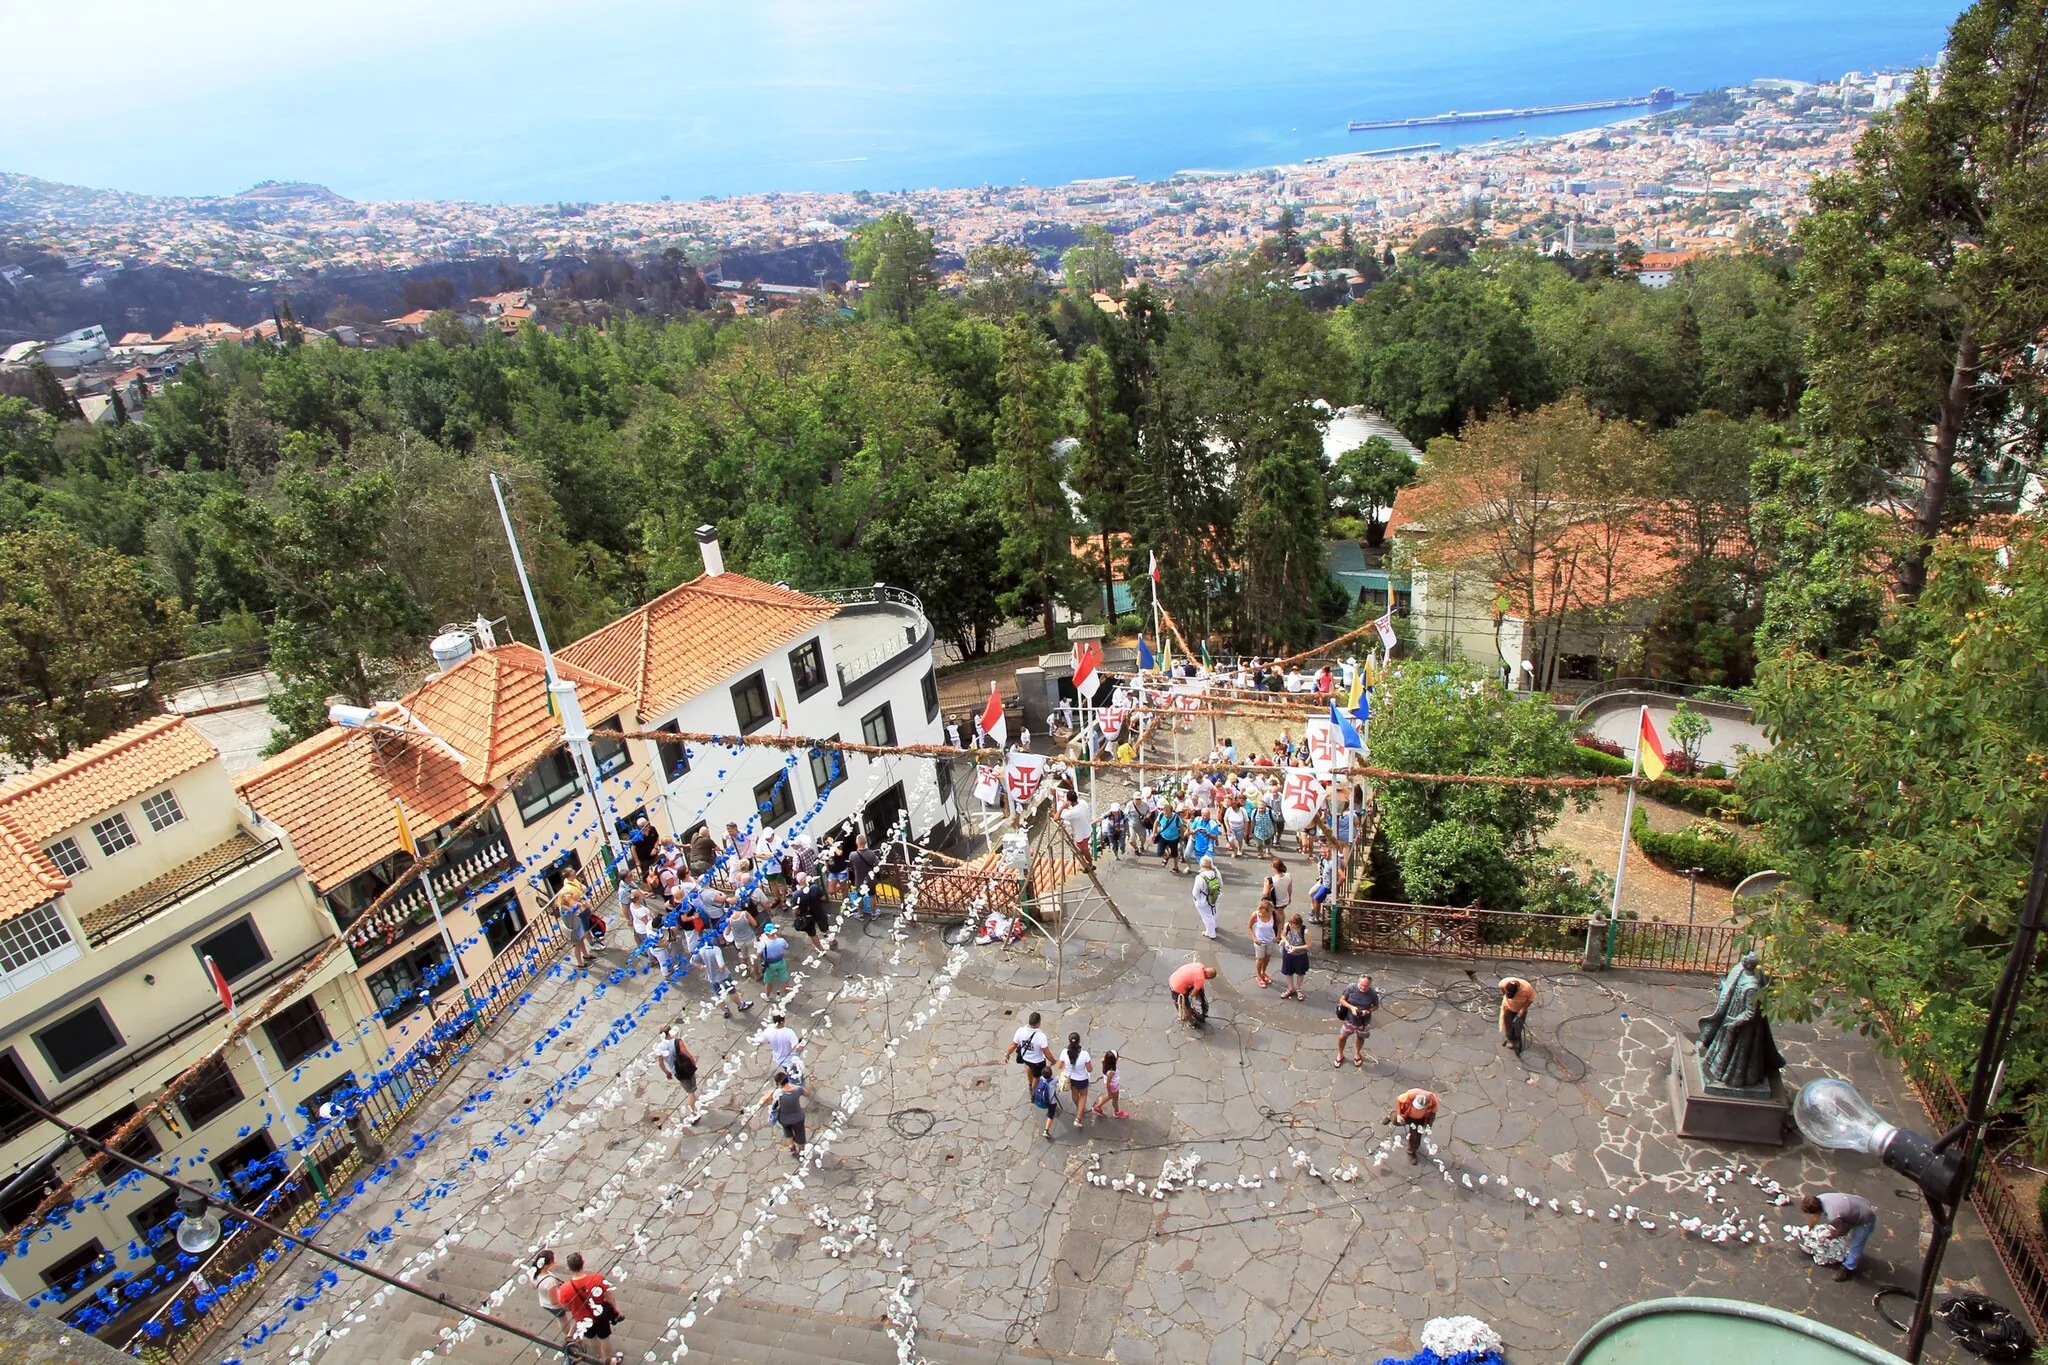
(988, 785)
(1300, 797)
(1023, 772)
(1325, 744)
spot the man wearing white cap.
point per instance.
(1208, 891)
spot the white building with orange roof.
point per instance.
(122, 868)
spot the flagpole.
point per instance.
(269, 1088)
(1628, 816)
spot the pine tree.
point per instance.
(1038, 523)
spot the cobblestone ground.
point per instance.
(1334, 1254)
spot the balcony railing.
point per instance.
(406, 912)
(103, 926)
(881, 592)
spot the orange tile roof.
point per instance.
(51, 799)
(493, 707)
(335, 793)
(693, 636)
(27, 876)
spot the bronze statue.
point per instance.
(1737, 1051)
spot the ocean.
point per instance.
(520, 101)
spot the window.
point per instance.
(140, 1145)
(750, 704)
(878, 726)
(341, 1090)
(13, 1118)
(162, 809)
(551, 783)
(771, 798)
(246, 1170)
(209, 1094)
(236, 950)
(673, 754)
(297, 1031)
(404, 986)
(610, 753)
(69, 858)
(32, 937)
(944, 771)
(828, 768)
(807, 666)
(156, 1226)
(502, 920)
(931, 694)
(77, 1041)
(113, 834)
(66, 1277)
(24, 1200)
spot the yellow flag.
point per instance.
(405, 839)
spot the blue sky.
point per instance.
(519, 100)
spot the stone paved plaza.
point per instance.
(995, 1236)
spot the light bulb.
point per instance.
(1830, 1113)
(198, 1228)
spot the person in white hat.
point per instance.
(1208, 891)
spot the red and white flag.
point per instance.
(988, 785)
(1024, 772)
(992, 722)
(1300, 797)
(1385, 626)
(1087, 655)
(1154, 574)
(220, 984)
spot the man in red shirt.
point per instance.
(591, 1311)
(1416, 1111)
(1187, 984)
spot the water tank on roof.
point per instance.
(451, 648)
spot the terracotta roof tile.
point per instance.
(693, 636)
(334, 795)
(492, 708)
(51, 799)
(27, 876)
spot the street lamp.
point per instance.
(1692, 875)
(1829, 1112)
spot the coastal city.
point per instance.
(1727, 167)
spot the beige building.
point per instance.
(122, 868)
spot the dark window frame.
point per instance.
(158, 1216)
(63, 859)
(887, 734)
(418, 964)
(66, 1024)
(141, 1145)
(546, 796)
(230, 1168)
(215, 1086)
(671, 756)
(20, 1121)
(247, 922)
(65, 1279)
(815, 649)
(930, 688)
(296, 1031)
(117, 831)
(821, 768)
(780, 803)
(750, 694)
(943, 770)
(610, 755)
(491, 919)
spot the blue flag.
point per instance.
(1144, 655)
(1363, 711)
(1345, 728)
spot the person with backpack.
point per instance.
(786, 1102)
(1208, 892)
(1028, 1048)
(588, 1300)
(679, 1064)
(1166, 834)
(1045, 1094)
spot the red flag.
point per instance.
(1155, 567)
(992, 723)
(1650, 750)
(1087, 654)
(220, 984)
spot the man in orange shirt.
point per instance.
(1415, 1110)
(1516, 995)
(1187, 984)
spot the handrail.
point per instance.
(880, 592)
(157, 905)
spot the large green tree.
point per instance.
(1435, 348)
(1101, 461)
(1901, 799)
(1038, 523)
(1926, 276)
(1093, 264)
(73, 617)
(896, 260)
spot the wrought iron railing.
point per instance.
(881, 592)
(1591, 940)
(1672, 947)
(168, 900)
(406, 912)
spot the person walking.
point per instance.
(547, 1286)
(1294, 957)
(1516, 996)
(591, 1312)
(679, 1064)
(783, 1045)
(1415, 1110)
(1203, 835)
(711, 961)
(1045, 1094)
(1847, 1215)
(1262, 825)
(1208, 891)
(575, 920)
(812, 918)
(786, 1102)
(741, 929)
(1029, 1048)
(861, 866)
(1079, 1069)
(774, 961)
(1264, 927)
(1354, 1013)
(1112, 1089)
(1114, 828)
(1167, 834)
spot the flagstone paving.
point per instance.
(1013, 1253)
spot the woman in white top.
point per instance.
(641, 915)
(546, 1282)
(1233, 828)
(1079, 1068)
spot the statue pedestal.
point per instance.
(1716, 1114)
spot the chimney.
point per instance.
(707, 545)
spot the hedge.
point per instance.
(1725, 860)
(1708, 801)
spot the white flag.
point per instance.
(1385, 626)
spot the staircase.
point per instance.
(735, 1329)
